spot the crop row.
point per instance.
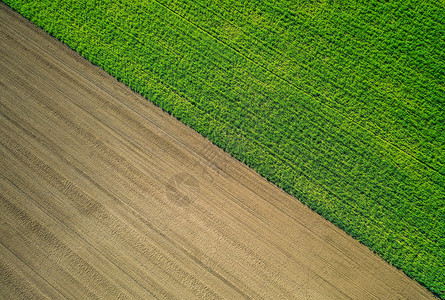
(386, 76)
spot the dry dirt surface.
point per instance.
(103, 195)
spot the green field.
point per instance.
(340, 103)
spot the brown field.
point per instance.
(103, 195)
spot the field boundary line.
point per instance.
(280, 156)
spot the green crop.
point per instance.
(340, 103)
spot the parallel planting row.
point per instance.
(380, 64)
(331, 102)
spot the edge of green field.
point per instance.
(341, 104)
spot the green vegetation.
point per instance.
(340, 103)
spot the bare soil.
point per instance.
(103, 195)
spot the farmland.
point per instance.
(103, 195)
(339, 104)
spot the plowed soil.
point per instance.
(103, 195)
